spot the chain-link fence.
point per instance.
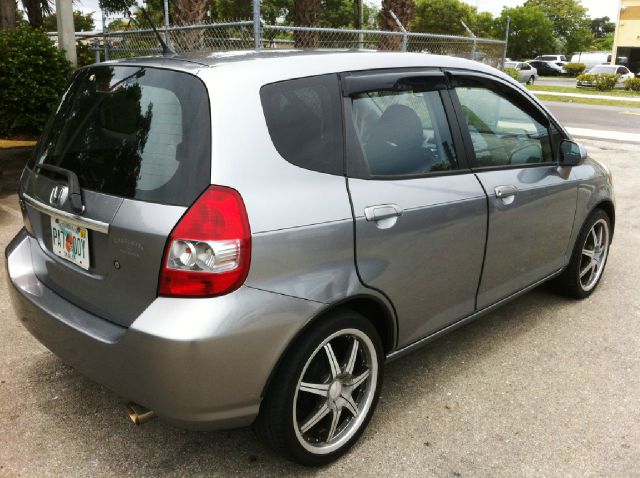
(240, 35)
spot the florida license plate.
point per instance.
(70, 242)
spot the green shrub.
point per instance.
(601, 81)
(606, 81)
(33, 75)
(575, 69)
(86, 56)
(513, 73)
(632, 84)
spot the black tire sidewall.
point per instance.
(287, 377)
(574, 265)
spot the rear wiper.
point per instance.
(75, 197)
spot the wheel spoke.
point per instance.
(335, 419)
(317, 388)
(319, 415)
(594, 237)
(350, 405)
(588, 253)
(600, 234)
(333, 361)
(351, 363)
(359, 380)
(584, 271)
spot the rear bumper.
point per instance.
(200, 363)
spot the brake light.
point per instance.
(209, 251)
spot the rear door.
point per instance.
(532, 200)
(420, 214)
(138, 141)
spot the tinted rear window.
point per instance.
(304, 121)
(133, 132)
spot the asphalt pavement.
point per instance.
(543, 387)
(600, 122)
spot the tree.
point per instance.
(404, 10)
(81, 23)
(530, 33)
(570, 23)
(36, 10)
(8, 14)
(602, 27)
(305, 14)
(443, 16)
(484, 25)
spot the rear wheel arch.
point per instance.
(375, 310)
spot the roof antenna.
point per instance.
(166, 49)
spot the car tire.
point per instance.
(321, 376)
(589, 258)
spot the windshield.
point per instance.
(510, 64)
(603, 69)
(133, 132)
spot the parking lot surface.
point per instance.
(544, 386)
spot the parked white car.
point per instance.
(555, 58)
(622, 71)
(527, 73)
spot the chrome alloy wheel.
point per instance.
(335, 391)
(594, 255)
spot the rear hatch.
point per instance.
(137, 142)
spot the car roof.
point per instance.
(300, 62)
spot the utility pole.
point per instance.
(66, 30)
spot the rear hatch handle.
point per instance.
(75, 197)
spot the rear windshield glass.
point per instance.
(133, 132)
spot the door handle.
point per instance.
(503, 192)
(381, 212)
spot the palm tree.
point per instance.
(305, 14)
(8, 10)
(36, 10)
(403, 9)
(189, 12)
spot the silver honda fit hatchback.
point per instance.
(246, 238)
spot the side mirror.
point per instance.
(571, 153)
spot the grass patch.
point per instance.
(585, 91)
(589, 101)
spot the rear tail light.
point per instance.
(209, 251)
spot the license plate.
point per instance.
(70, 242)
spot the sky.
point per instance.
(596, 8)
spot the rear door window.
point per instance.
(403, 133)
(133, 132)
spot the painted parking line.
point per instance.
(608, 135)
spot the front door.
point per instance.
(532, 200)
(420, 213)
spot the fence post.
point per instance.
(105, 40)
(506, 41)
(405, 36)
(257, 28)
(474, 46)
(96, 48)
(166, 21)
